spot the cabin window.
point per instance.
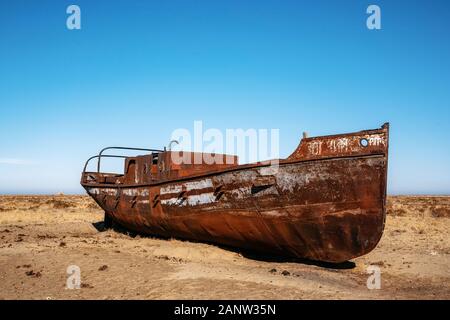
(131, 165)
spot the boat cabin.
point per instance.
(160, 166)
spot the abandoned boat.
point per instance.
(326, 201)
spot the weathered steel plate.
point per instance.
(326, 202)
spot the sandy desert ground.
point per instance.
(42, 235)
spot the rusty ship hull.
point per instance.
(325, 202)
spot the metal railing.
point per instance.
(101, 155)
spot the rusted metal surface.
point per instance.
(326, 202)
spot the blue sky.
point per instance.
(138, 70)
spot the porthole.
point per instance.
(364, 142)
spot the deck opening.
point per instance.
(257, 189)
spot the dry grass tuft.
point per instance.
(441, 212)
(60, 204)
(418, 206)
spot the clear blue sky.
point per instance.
(137, 70)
